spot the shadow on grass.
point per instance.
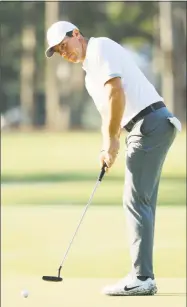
(171, 294)
(52, 177)
(70, 176)
(168, 197)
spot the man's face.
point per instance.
(71, 48)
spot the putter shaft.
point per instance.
(54, 278)
(83, 214)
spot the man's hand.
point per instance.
(109, 154)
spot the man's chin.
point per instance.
(73, 61)
(77, 61)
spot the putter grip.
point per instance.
(102, 172)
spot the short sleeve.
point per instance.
(108, 60)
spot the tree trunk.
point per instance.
(54, 116)
(27, 70)
(166, 45)
(179, 59)
(173, 55)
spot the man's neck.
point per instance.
(84, 48)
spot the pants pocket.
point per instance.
(149, 124)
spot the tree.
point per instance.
(27, 65)
(173, 55)
(10, 31)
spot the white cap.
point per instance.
(56, 33)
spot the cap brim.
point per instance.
(49, 52)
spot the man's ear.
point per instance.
(76, 33)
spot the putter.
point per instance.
(58, 278)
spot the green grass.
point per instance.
(66, 165)
(34, 240)
(44, 154)
(172, 192)
(87, 292)
(41, 168)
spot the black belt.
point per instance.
(144, 112)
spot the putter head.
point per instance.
(52, 278)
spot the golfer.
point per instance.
(126, 100)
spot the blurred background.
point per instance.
(50, 140)
(50, 126)
(39, 93)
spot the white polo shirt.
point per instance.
(106, 59)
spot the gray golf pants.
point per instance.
(147, 147)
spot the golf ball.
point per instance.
(25, 293)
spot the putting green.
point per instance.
(86, 292)
(34, 240)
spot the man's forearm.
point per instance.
(116, 110)
(112, 121)
(111, 125)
